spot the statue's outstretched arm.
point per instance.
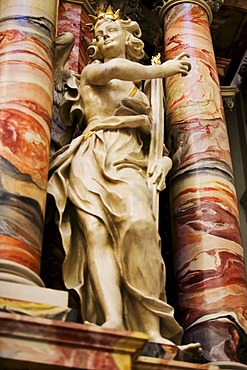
(126, 70)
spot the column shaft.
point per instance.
(73, 18)
(26, 85)
(206, 233)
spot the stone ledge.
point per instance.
(29, 343)
(36, 343)
(30, 293)
(148, 363)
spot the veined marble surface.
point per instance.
(73, 18)
(209, 255)
(26, 85)
(46, 343)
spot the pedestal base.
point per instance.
(31, 343)
(30, 293)
(34, 301)
(40, 344)
(230, 365)
(147, 363)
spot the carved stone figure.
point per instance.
(99, 183)
(62, 131)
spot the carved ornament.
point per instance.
(228, 94)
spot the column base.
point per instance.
(222, 339)
(227, 365)
(15, 273)
(33, 294)
(147, 363)
(34, 301)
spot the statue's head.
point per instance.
(134, 47)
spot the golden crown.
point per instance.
(109, 14)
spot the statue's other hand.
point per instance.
(159, 170)
(61, 79)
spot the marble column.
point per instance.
(209, 263)
(73, 17)
(26, 84)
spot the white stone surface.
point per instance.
(36, 294)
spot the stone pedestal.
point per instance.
(34, 301)
(147, 363)
(40, 344)
(33, 294)
(230, 365)
(28, 343)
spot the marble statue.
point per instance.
(99, 183)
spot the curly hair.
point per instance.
(134, 45)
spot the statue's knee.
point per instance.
(95, 231)
(142, 225)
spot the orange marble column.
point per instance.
(209, 264)
(26, 83)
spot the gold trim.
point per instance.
(86, 136)
(133, 91)
(156, 59)
(109, 14)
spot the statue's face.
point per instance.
(110, 39)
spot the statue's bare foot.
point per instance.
(113, 324)
(183, 352)
(156, 338)
(110, 324)
(189, 351)
(89, 323)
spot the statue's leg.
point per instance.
(151, 324)
(103, 268)
(144, 270)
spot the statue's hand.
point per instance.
(158, 172)
(177, 65)
(61, 79)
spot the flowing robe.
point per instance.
(103, 173)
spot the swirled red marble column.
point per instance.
(212, 295)
(73, 18)
(26, 84)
